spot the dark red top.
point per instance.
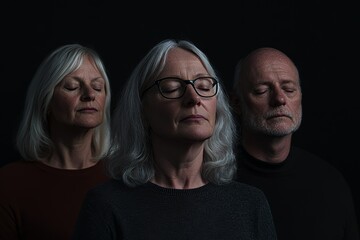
(41, 202)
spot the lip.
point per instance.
(90, 110)
(194, 117)
(279, 116)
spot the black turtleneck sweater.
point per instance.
(309, 198)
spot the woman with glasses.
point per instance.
(172, 162)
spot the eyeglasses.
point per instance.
(173, 87)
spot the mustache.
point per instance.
(279, 113)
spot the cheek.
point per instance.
(255, 105)
(297, 107)
(62, 104)
(212, 112)
(101, 101)
(158, 116)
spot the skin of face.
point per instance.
(79, 99)
(189, 118)
(271, 94)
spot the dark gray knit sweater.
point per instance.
(231, 211)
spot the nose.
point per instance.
(191, 97)
(88, 94)
(278, 97)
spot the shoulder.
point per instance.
(246, 197)
(317, 165)
(245, 191)
(17, 165)
(110, 187)
(313, 160)
(108, 195)
(18, 177)
(17, 168)
(300, 152)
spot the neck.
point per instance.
(72, 151)
(178, 165)
(268, 149)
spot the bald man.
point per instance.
(309, 198)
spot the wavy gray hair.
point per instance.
(33, 141)
(131, 159)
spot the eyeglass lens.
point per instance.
(175, 87)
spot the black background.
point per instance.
(320, 36)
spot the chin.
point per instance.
(200, 137)
(89, 125)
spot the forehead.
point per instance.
(180, 62)
(272, 66)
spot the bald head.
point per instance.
(262, 60)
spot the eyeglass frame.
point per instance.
(191, 82)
